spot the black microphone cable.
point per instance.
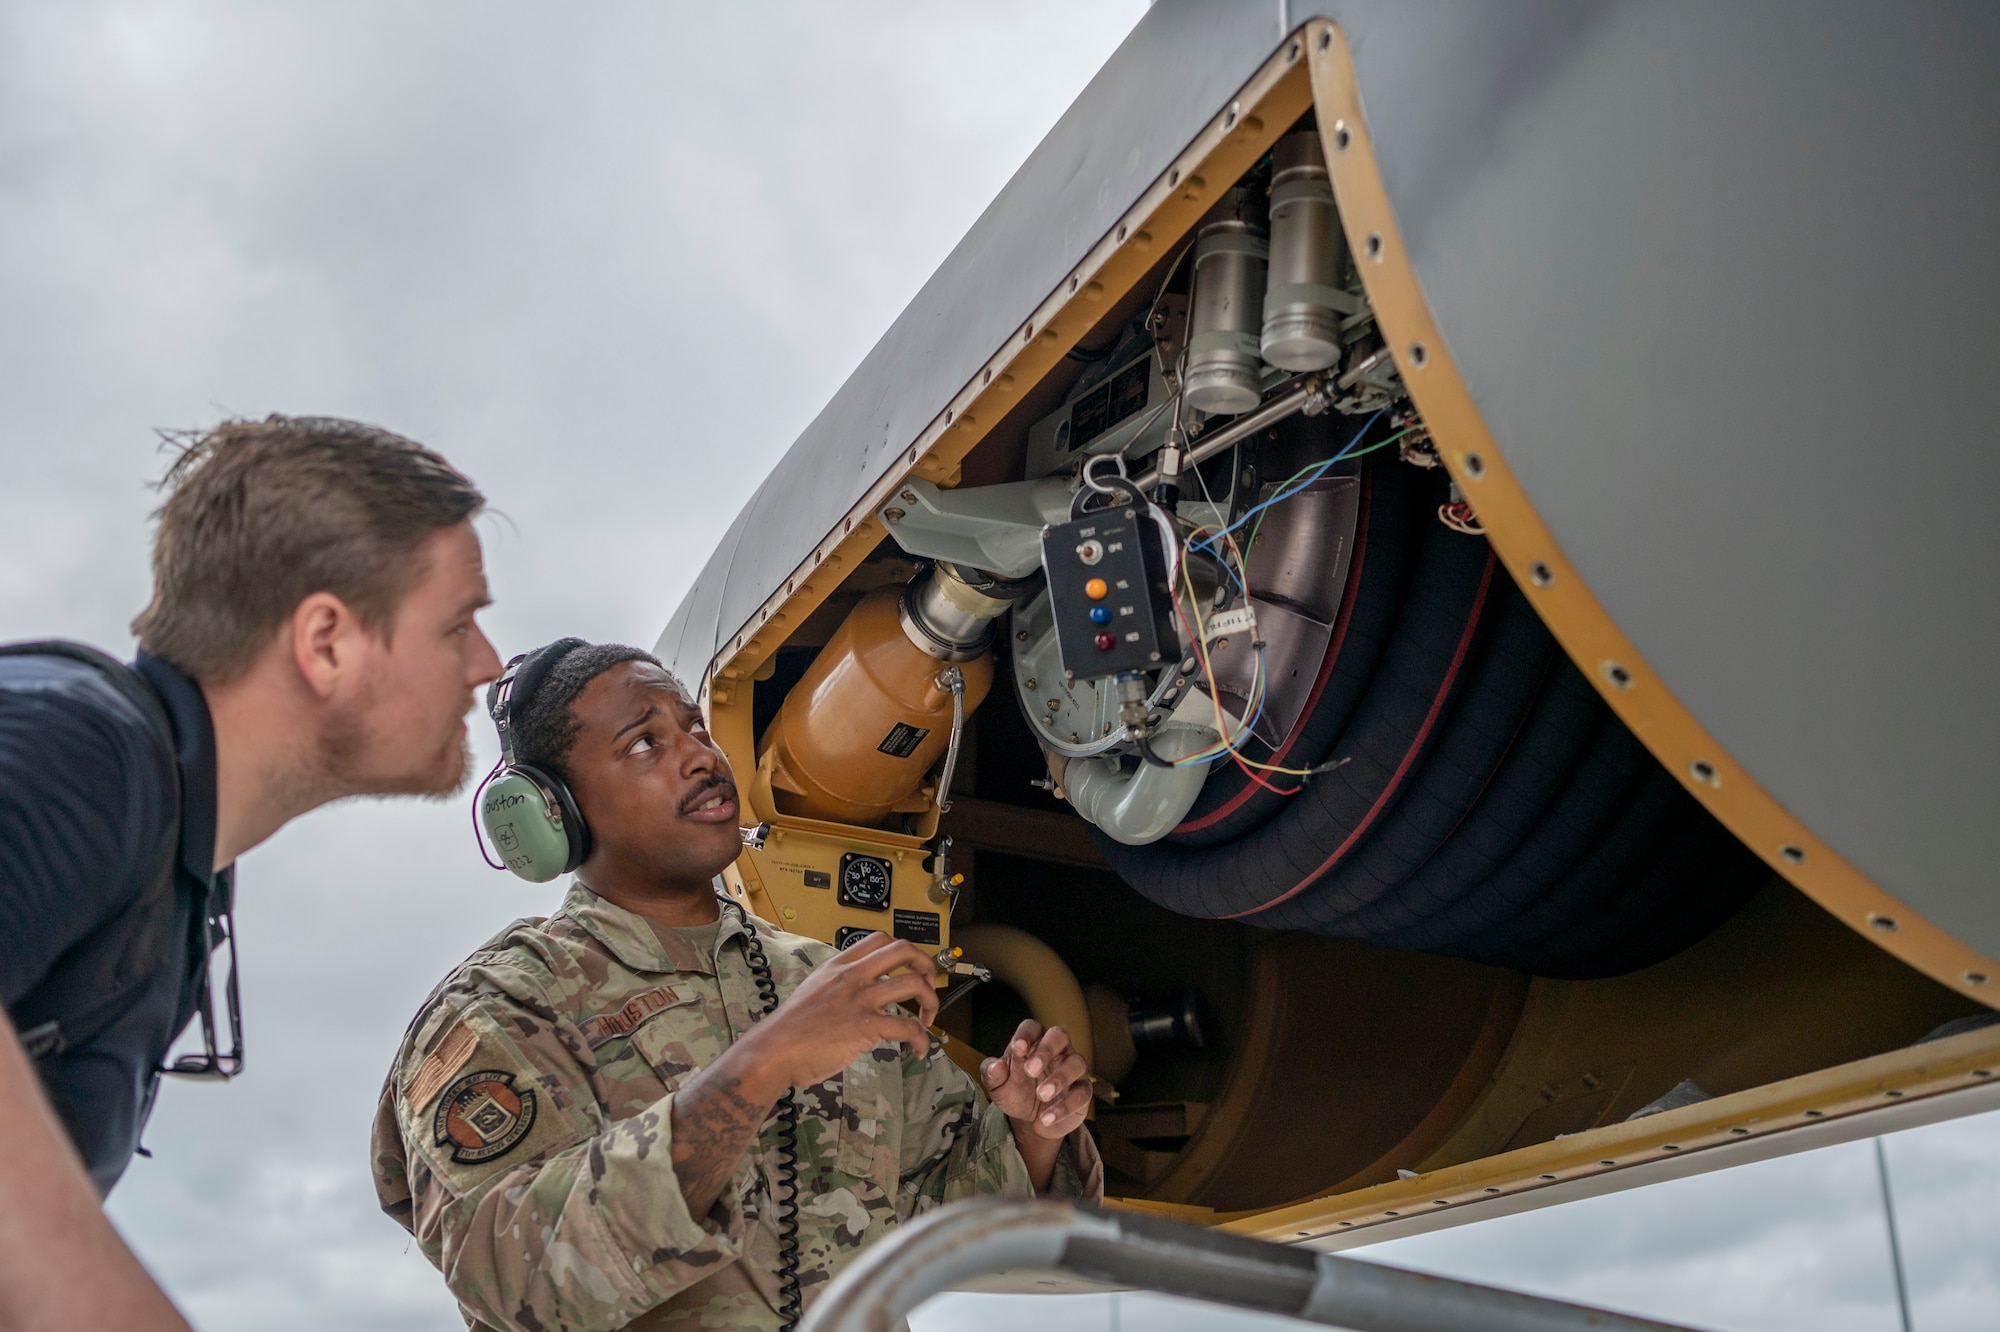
(790, 1304)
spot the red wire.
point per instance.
(1215, 693)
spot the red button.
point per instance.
(1106, 641)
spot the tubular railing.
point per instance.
(1130, 1249)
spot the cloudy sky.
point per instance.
(611, 261)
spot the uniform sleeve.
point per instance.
(539, 1212)
(84, 804)
(957, 1144)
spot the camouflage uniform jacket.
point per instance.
(523, 1134)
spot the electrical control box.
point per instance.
(1108, 592)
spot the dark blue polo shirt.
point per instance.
(86, 804)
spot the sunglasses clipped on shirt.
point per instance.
(213, 1065)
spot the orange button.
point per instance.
(1095, 589)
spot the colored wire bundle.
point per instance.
(1220, 544)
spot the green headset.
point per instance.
(528, 813)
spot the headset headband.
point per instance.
(518, 683)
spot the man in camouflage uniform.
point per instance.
(578, 1128)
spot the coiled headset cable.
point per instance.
(790, 1305)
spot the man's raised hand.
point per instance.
(1039, 1083)
(841, 1011)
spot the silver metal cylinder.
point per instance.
(949, 612)
(1304, 302)
(1231, 252)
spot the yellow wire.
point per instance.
(1227, 745)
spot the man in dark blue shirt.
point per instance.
(311, 636)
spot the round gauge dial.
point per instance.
(864, 882)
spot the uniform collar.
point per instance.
(194, 757)
(632, 938)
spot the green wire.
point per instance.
(1258, 526)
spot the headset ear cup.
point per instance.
(533, 822)
(572, 817)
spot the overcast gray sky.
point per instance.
(610, 260)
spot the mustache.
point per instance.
(706, 789)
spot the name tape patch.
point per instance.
(610, 1026)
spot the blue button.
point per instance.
(1100, 615)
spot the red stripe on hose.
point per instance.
(1340, 623)
(1409, 758)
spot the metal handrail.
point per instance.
(983, 1236)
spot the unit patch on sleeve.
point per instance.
(484, 1115)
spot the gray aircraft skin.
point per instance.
(1722, 281)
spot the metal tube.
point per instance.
(953, 679)
(982, 1236)
(1271, 412)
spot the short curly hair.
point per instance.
(544, 723)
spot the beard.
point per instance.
(355, 761)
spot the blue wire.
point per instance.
(1316, 474)
(1249, 727)
(1247, 517)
